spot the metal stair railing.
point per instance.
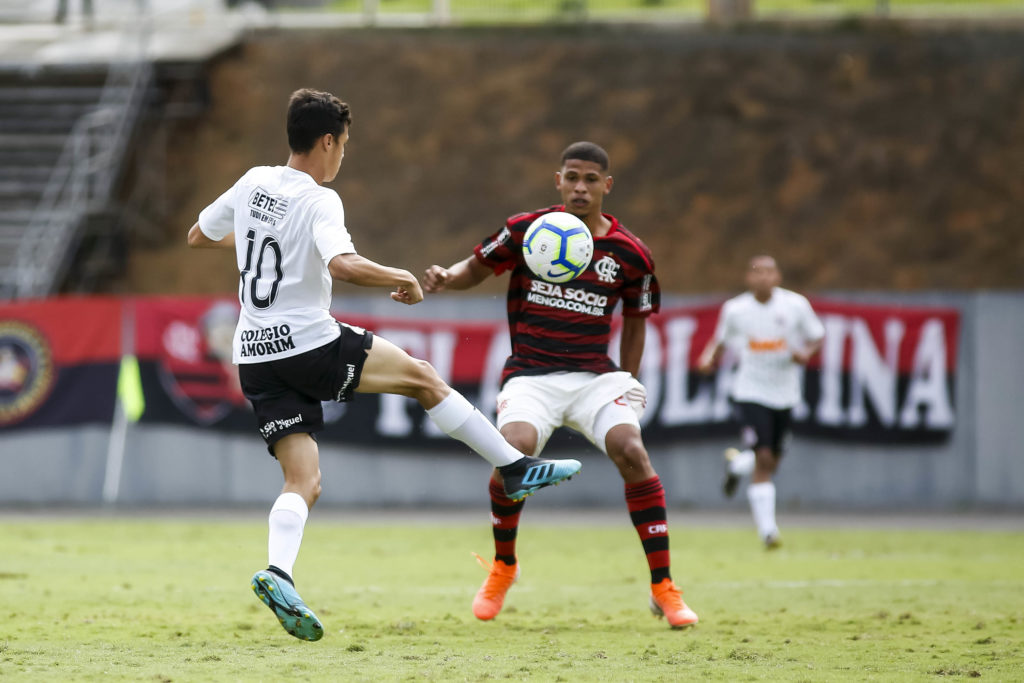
(84, 177)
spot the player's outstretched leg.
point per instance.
(389, 369)
(277, 591)
(528, 475)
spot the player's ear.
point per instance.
(558, 179)
(608, 182)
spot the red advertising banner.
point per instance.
(58, 361)
(886, 373)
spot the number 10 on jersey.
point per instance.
(249, 282)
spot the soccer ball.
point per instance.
(558, 247)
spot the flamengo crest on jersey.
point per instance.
(566, 327)
(287, 229)
(606, 269)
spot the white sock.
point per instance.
(287, 519)
(456, 417)
(762, 505)
(742, 463)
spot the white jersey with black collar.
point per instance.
(287, 228)
(764, 335)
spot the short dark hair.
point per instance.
(311, 115)
(586, 151)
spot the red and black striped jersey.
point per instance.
(566, 327)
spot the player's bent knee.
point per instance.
(633, 453)
(522, 436)
(631, 458)
(425, 384)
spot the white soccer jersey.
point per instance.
(287, 229)
(764, 335)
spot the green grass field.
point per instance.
(165, 599)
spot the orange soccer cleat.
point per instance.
(667, 601)
(491, 596)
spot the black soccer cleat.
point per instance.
(528, 475)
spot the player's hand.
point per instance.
(706, 366)
(435, 279)
(409, 293)
(800, 357)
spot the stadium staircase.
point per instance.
(62, 146)
(76, 182)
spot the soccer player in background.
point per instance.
(560, 374)
(775, 332)
(290, 240)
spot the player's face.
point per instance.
(583, 186)
(762, 275)
(335, 153)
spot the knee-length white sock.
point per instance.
(456, 417)
(762, 505)
(287, 520)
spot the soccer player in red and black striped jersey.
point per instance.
(560, 374)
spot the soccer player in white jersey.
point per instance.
(775, 332)
(290, 240)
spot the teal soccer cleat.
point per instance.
(529, 474)
(277, 592)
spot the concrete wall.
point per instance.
(979, 466)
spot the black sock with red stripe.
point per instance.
(504, 522)
(646, 503)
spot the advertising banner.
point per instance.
(59, 361)
(885, 373)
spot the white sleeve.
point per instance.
(217, 221)
(723, 330)
(809, 323)
(328, 225)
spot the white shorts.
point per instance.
(589, 403)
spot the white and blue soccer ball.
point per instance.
(558, 247)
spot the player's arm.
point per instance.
(710, 356)
(465, 274)
(631, 346)
(724, 329)
(813, 334)
(358, 270)
(804, 355)
(197, 239)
